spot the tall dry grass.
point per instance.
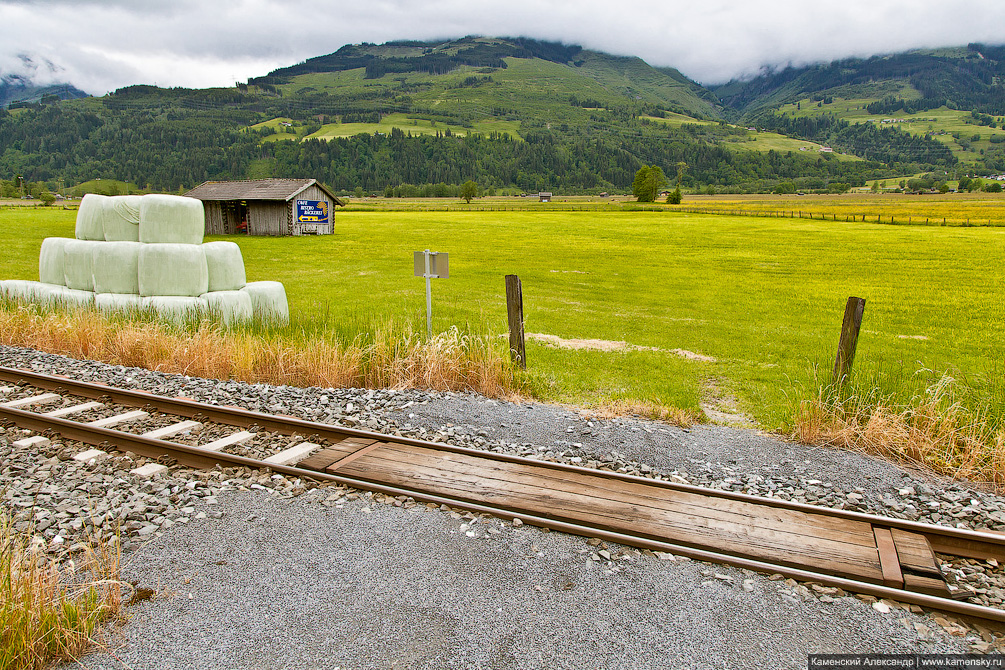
(935, 429)
(49, 612)
(389, 357)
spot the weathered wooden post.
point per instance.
(514, 310)
(849, 338)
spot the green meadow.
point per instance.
(762, 297)
(941, 122)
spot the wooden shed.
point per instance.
(267, 207)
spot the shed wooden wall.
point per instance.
(268, 218)
(214, 218)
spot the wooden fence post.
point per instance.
(849, 338)
(514, 311)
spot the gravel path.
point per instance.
(252, 570)
(295, 584)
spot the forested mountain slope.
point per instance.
(515, 114)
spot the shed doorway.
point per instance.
(235, 217)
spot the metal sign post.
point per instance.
(431, 265)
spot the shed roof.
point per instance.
(258, 189)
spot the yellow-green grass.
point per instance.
(49, 612)
(977, 209)
(275, 123)
(415, 126)
(890, 183)
(958, 209)
(764, 297)
(677, 120)
(766, 141)
(281, 132)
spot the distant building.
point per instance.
(826, 150)
(267, 207)
(544, 196)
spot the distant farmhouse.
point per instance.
(267, 207)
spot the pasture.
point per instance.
(941, 122)
(761, 297)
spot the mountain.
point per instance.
(16, 89)
(954, 96)
(971, 78)
(473, 75)
(513, 114)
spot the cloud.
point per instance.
(99, 46)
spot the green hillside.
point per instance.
(954, 96)
(512, 114)
(477, 77)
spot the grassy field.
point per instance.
(414, 126)
(403, 122)
(958, 209)
(104, 187)
(977, 209)
(762, 297)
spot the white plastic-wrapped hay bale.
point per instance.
(172, 270)
(26, 291)
(91, 217)
(50, 261)
(118, 302)
(268, 300)
(171, 219)
(121, 218)
(78, 264)
(116, 267)
(230, 307)
(225, 265)
(176, 308)
(61, 296)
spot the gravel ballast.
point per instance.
(254, 570)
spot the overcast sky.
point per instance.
(100, 46)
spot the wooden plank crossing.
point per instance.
(818, 542)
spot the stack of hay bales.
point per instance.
(145, 253)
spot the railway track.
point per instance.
(861, 553)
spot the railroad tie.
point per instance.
(293, 454)
(75, 409)
(229, 441)
(119, 419)
(43, 399)
(91, 456)
(36, 441)
(173, 429)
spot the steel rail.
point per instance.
(944, 539)
(195, 457)
(199, 458)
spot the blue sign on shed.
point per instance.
(312, 211)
